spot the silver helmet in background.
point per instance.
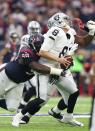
(33, 28)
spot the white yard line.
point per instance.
(46, 115)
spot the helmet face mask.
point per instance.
(35, 42)
(14, 37)
(60, 19)
(33, 28)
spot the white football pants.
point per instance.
(10, 91)
(65, 85)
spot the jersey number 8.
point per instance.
(55, 32)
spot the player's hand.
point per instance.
(65, 61)
(53, 79)
(91, 26)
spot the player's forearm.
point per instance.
(83, 41)
(40, 68)
(88, 39)
(48, 55)
(45, 69)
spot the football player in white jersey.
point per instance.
(66, 85)
(58, 43)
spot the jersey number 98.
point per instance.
(25, 55)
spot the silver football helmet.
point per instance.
(59, 19)
(33, 28)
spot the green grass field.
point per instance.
(47, 123)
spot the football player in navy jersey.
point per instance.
(15, 73)
(10, 48)
(33, 29)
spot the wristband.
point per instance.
(55, 71)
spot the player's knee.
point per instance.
(35, 105)
(12, 105)
(44, 97)
(40, 102)
(75, 94)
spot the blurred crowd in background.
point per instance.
(15, 15)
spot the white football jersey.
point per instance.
(24, 40)
(57, 42)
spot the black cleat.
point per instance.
(25, 120)
(58, 116)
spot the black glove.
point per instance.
(54, 78)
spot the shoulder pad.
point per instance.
(25, 38)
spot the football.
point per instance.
(69, 58)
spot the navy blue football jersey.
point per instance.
(19, 70)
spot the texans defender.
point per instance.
(59, 41)
(15, 73)
(10, 48)
(33, 28)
